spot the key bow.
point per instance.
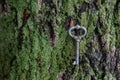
(77, 38)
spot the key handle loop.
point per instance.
(77, 38)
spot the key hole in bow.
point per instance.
(78, 32)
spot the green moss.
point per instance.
(37, 59)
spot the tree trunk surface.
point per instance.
(35, 44)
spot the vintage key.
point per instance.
(77, 38)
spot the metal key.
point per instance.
(77, 38)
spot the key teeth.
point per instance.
(74, 63)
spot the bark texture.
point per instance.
(34, 45)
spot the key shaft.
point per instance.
(77, 52)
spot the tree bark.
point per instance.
(35, 44)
